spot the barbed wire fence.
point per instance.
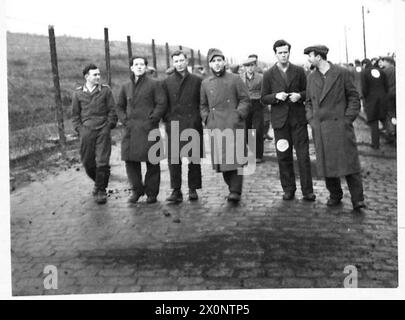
(39, 109)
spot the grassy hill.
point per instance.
(30, 85)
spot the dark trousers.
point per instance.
(95, 149)
(152, 177)
(233, 180)
(255, 120)
(354, 182)
(375, 134)
(194, 175)
(296, 135)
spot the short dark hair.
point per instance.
(139, 57)
(281, 43)
(88, 67)
(253, 56)
(177, 53)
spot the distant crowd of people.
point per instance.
(237, 97)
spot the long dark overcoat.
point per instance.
(183, 96)
(225, 104)
(140, 106)
(331, 108)
(375, 89)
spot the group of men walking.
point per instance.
(327, 100)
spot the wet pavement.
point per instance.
(264, 242)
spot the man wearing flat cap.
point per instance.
(283, 88)
(224, 106)
(332, 104)
(255, 120)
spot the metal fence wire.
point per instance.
(33, 124)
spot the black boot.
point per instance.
(102, 177)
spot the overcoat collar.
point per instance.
(332, 75)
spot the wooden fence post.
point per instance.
(154, 57)
(56, 83)
(167, 56)
(129, 45)
(107, 56)
(199, 57)
(180, 47)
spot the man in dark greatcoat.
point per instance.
(141, 104)
(332, 104)
(375, 88)
(183, 95)
(283, 88)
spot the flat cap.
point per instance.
(389, 59)
(317, 48)
(249, 61)
(214, 52)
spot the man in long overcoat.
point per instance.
(375, 88)
(332, 104)
(224, 106)
(283, 88)
(141, 104)
(389, 70)
(183, 95)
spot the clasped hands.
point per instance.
(293, 96)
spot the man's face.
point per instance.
(282, 54)
(138, 67)
(250, 68)
(93, 77)
(217, 63)
(312, 59)
(180, 63)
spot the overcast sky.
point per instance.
(237, 27)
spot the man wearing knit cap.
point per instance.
(332, 104)
(255, 120)
(224, 107)
(283, 88)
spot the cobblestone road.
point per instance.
(264, 242)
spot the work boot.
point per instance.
(288, 195)
(234, 197)
(101, 197)
(309, 197)
(151, 199)
(357, 205)
(135, 196)
(175, 197)
(333, 202)
(192, 195)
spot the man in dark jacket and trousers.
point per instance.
(183, 95)
(283, 88)
(375, 88)
(255, 119)
(93, 116)
(141, 105)
(332, 104)
(224, 106)
(389, 70)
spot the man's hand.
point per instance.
(294, 97)
(282, 96)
